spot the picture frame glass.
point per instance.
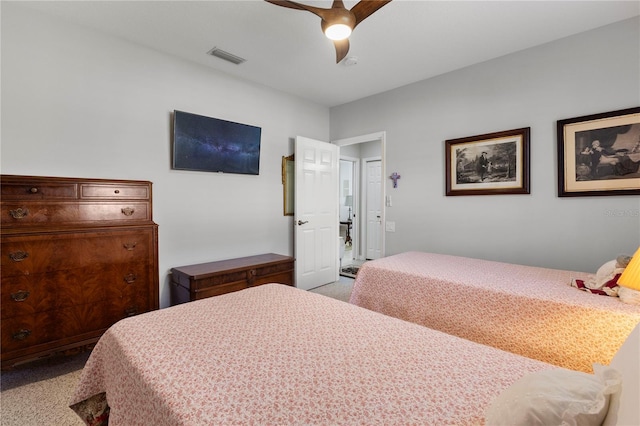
(494, 163)
(602, 155)
(489, 164)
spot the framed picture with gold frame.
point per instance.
(288, 173)
(599, 154)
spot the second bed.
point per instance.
(530, 311)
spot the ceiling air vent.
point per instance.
(219, 53)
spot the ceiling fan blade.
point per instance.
(286, 3)
(342, 48)
(365, 8)
(318, 11)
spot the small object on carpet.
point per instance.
(349, 271)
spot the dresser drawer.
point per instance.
(129, 211)
(127, 281)
(24, 214)
(32, 254)
(61, 325)
(28, 255)
(29, 294)
(27, 330)
(123, 307)
(39, 191)
(43, 327)
(115, 191)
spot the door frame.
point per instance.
(372, 137)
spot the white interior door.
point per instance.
(316, 212)
(374, 209)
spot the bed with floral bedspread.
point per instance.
(274, 354)
(530, 311)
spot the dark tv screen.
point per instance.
(213, 145)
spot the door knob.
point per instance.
(300, 222)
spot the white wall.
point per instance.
(590, 73)
(78, 103)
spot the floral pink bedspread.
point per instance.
(526, 310)
(276, 355)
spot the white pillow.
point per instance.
(606, 272)
(556, 397)
(628, 295)
(624, 408)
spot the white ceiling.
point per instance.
(404, 42)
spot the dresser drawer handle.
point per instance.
(19, 213)
(20, 296)
(130, 278)
(128, 211)
(131, 311)
(18, 256)
(33, 190)
(22, 334)
(130, 246)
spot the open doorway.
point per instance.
(361, 206)
(349, 195)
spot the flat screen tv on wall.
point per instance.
(213, 145)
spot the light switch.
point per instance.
(390, 226)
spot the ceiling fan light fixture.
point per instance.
(337, 22)
(337, 31)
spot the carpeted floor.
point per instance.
(340, 290)
(37, 394)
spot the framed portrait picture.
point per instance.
(495, 163)
(599, 154)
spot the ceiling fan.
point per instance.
(338, 21)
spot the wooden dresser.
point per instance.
(78, 255)
(194, 282)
